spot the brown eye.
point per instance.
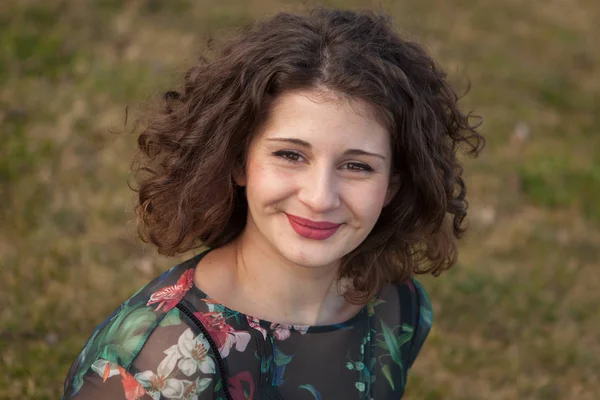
(354, 166)
(288, 155)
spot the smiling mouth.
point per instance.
(317, 230)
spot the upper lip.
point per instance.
(313, 224)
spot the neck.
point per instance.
(284, 292)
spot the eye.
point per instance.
(288, 155)
(356, 166)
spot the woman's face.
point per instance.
(317, 177)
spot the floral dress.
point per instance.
(171, 341)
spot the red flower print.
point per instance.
(236, 389)
(223, 334)
(169, 296)
(133, 389)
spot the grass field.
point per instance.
(517, 318)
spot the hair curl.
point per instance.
(188, 151)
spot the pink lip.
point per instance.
(320, 230)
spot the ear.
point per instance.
(239, 175)
(392, 190)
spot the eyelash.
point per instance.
(293, 157)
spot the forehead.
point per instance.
(324, 116)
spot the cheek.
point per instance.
(267, 183)
(368, 200)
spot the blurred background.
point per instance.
(517, 318)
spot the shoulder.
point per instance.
(119, 339)
(401, 320)
(407, 300)
(419, 301)
(415, 302)
(405, 307)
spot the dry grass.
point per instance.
(518, 318)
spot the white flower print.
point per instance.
(301, 328)
(237, 339)
(160, 382)
(192, 389)
(105, 369)
(194, 350)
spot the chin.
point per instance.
(312, 257)
(312, 261)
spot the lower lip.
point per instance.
(312, 233)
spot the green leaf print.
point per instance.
(381, 344)
(126, 324)
(312, 391)
(172, 318)
(282, 359)
(392, 343)
(425, 310)
(388, 375)
(426, 314)
(404, 338)
(118, 341)
(372, 304)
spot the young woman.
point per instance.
(315, 158)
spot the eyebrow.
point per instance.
(350, 152)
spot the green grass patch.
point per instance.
(555, 183)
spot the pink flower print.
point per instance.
(255, 323)
(169, 296)
(223, 334)
(281, 332)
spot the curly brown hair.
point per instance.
(189, 150)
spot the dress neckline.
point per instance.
(363, 313)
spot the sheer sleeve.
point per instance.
(107, 380)
(177, 363)
(424, 321)
(174, 362)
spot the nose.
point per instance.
(319, 190)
